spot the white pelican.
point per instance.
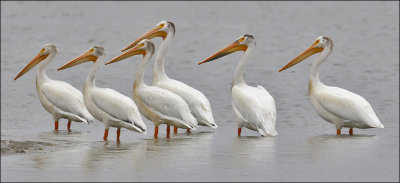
(198, 103)
(254, 106)
(336, 105)
(156, 104)
(105, 104)
(58, 98)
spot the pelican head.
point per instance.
(319, 45)
(91, 55)
(162, 29)
(48, 49)
(240, 44)
(142, 48)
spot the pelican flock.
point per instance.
(174, 103)
(156, 104)
(254, 107)
(336, 105)
(59, 98)
(197, 101)
(105, 104)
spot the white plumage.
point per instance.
(198, 103)
(350, 109)
(121, 110)
(254, 107)
(167, 105)
(66, 100)
(105, 104)
(157, 104)
(336, 105)
(58, 98)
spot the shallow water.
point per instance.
(364, 61)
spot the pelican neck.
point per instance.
(91, 79)
(159, 71)
(238, 74)
(314, 73)
(140, 72)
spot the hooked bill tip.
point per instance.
(16, 77)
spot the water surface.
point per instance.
(364, 61)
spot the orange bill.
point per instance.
(80, 59)
(149, 35)
(307, 53)
(234, 47)
(134, 51)
(39, 57)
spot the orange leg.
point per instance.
(239, 131)
(118, 133)
(56, 125)
(105, 134)
(338, 132)
(351, 131)
(188, 131)
(168, 131)
(69, 125)
(175, 130)
(156, 132)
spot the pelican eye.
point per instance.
(91, 50)
(241, 40)
(42, 50)
(140, 45)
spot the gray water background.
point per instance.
(365, 60)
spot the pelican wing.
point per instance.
(164, 101)
(186, 92)
(198, 103)
(268, 102)
(64, 96)
(347, 105)
(256, 106)
(115, 104)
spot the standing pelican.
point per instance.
(198, 103)
(254, 106)
(336, 105)
(58, 98)
(156, 104)
(105, 104)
